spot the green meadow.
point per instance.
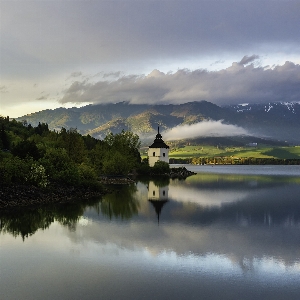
(292, 152)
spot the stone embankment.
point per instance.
(115, 180)
(22, 195)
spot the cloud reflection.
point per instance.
(205, 197)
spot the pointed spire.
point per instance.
(158, 142)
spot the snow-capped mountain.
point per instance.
(274, 107)
(279, 120)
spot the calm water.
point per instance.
(226, 233)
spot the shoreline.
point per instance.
(25, 195)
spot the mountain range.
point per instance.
(278, 121)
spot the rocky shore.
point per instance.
(180, 173)
(116, 180)
(23, 195)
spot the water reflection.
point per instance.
(122, 203)
(25, 221)
(240, 199)
(200, 200)
(158, 196)
(219, 236)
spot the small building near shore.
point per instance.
(158, 150)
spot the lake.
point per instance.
(229, 232)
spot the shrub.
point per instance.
(14, 170)
(161, 167)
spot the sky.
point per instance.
(68, 53)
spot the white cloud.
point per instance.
(241, 82)
(81, 33)
(203, 129)
(113, 38)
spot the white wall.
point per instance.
(158, 155)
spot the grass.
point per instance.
(259, 152)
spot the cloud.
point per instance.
(135, 37)
(217, 62)
(238, 83)
(3, 89)
(206, 197)
(112, 74)
(140, 32)
(248, 59)
(45, 97)
(203, 129)
(75, 74)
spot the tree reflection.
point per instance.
(159, 181)
(121, 203)
(25, 221)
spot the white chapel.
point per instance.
(158, 150)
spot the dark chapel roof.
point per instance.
(158, 142)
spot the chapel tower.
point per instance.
(158, 150)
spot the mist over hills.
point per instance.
(277, 121)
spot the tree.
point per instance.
(90, 142)
(26, 148)
(116, 163)
(4, 139)
(125, 147)
(41, 128)
(59, 167)
(98, 154)
(73, 142)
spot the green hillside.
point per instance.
(236, 152)
(98, 120)
(141, 119)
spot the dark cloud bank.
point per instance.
(101, 32)
(242, 82)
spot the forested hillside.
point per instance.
(36, 155)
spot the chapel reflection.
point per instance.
(157, 196)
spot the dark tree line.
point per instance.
(37, 155)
